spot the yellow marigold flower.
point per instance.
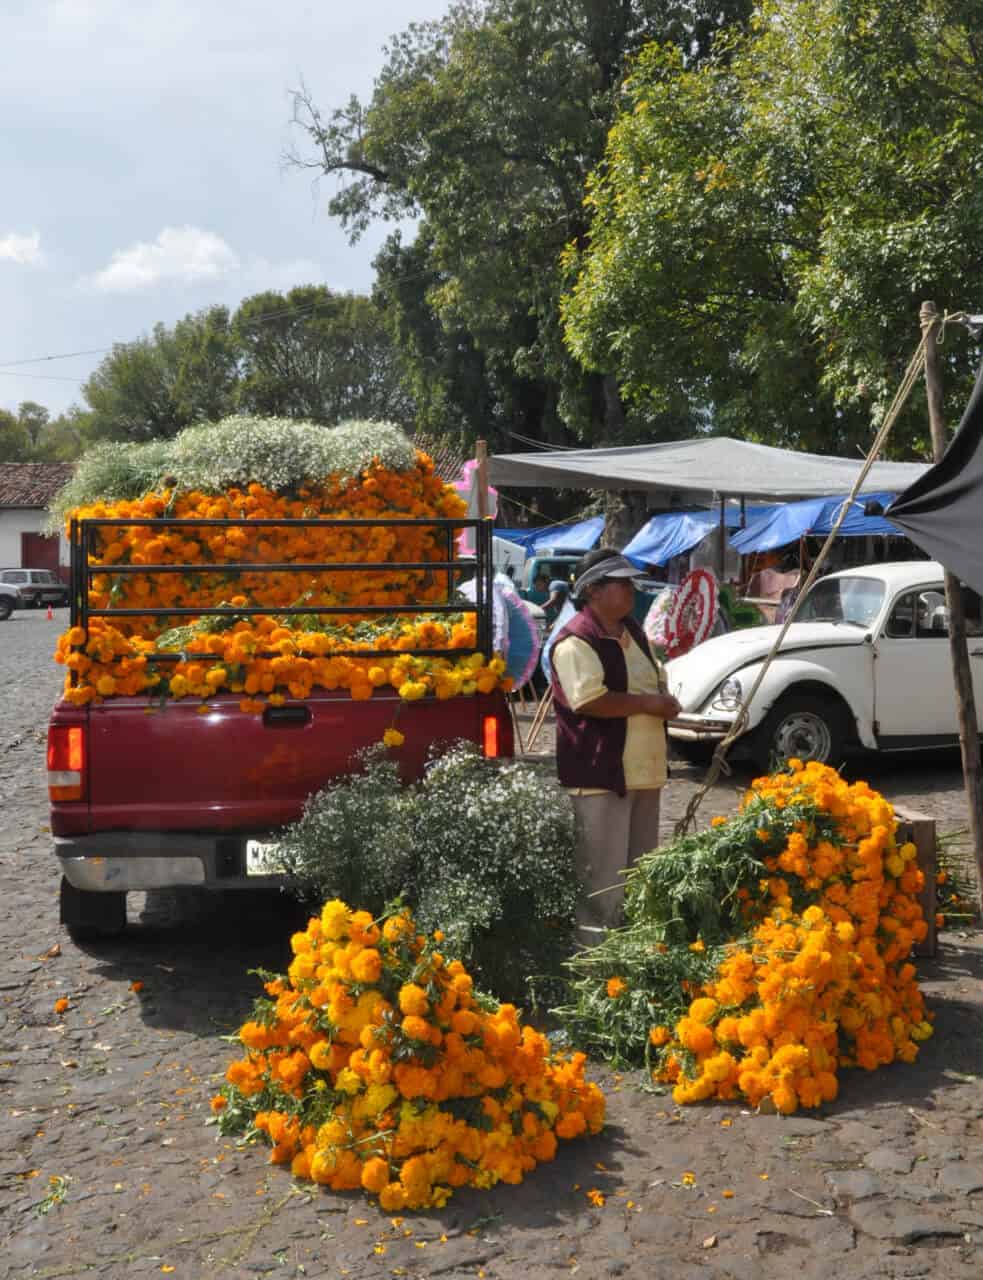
(348, 1081)
(597, 1198)
(375, 1175)
(719, 821)
(658, 1036)
(413, 999)
(698, 945)
(703, 1009)
(334, 919)
(393, 738)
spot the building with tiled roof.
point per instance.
(26, 491)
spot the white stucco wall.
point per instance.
(17, 520)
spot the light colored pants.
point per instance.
(612, 833)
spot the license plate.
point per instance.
(262, 859)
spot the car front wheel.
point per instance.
(800, 725)
(6, 608)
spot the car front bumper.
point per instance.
(690, 727)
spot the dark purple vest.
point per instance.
(590, 749)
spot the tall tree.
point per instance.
(308, 353)
(318, 355)
(766, 223)
(485, 125)
(15, 444)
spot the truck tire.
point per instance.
(6, 608)
(90, 916)
(801, 725)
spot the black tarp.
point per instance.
(943, 510)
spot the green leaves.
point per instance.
(766, 223)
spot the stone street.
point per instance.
(108, 1166)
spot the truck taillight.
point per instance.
(66, 762)
(489, 737)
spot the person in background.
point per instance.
(541, 584)
(611, 707)
(559, 591)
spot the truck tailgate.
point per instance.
(175, 769)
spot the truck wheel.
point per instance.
(6, 609)
(89, 916)
(802, 725)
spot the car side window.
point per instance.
(901, 620)
(931, 615)
(15, 575)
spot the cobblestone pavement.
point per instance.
(107, 1166)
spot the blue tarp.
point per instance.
(815, 516)
(578, 537)
(675, 532)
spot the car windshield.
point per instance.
(856, 600)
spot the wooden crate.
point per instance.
(919, 828)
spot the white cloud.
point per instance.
(23, 249)
(184, 254)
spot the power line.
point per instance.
(69, 355)
(264, 318)
(42, 377)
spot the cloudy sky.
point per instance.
(142, 175)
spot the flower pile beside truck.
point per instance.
(253, 603)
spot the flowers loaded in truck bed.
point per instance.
(248, 470)
(373, 1064)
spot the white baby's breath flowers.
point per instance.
(280, 453)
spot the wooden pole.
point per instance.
(969, 738)
(481, 457)
(722, 539)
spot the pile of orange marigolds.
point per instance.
(823, 979)
(371, 1065)
(115, 656)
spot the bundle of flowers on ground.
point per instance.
(373, 1065)
(766, 953)
(264, 469)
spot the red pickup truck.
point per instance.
(146, 796)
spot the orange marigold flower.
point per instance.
(616, 987)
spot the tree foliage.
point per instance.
(485, 125)
(767, 223)
(309, 354)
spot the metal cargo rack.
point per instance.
(83, 536)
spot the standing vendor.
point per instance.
(611, 707)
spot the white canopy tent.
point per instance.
(694, 472)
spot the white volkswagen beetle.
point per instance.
(866, 663)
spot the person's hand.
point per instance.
(663, 705)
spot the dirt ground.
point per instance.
(108, 1167)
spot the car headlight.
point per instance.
(729, 694)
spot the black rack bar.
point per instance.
(285, 566)
(185, 655)
(308, 522)
(273, 611)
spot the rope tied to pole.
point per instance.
(718, 764)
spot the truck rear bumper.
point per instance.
(119, 861)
